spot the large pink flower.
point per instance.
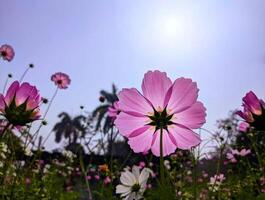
(253, 111)
(20, 105)
(170, 107)
(60, 79)
(7, 52)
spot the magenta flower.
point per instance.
(21, 103)
(244, 152)
(254, 111)
(7, 52)
(107, 180)
(231, 157)
(114, 110)
(243, 127)
(164, 106)
(3, 124)
(97, 177)
(60, 79)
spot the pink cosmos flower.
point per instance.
(28, 181)
(234, 152)
(3, 124)
(60, 79)
(244, 152)
(141, 165)
(231, 157)
(253, 112)
(243, 127)
(114, 110)
(88, 177)
(7, 52)
(107, 180)
(21, 103)
(217, 179)
(97, 177)
(170, 107)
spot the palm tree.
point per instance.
(100, 113)
(70, 128)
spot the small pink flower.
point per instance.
(204, 174)
(97, 177)
(170, 107)
(253, 111)
(200, 180)
(114, 110)
(262, 181)
(7, 52)
(141, 165)
(243, 127)
(244, 152)
(148, 186)
(3, 124)
(28, 181)
(60, 79)
(88, 178)
(217, 179)
(21, 103)
(107, 180)
(231, 157)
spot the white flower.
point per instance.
(215, 182)
(46, 168)
(167, 164)
(28, 151)
(3, 147)
(68, 154)
(133, 183)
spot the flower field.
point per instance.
(137, 144)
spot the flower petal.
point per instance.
(142, 142)
(127, 123)
(168, 146)
(193, 117)
(184, 94)
(23, 93)
(131, 101)
(2, 103)
(122, 189)
(127, 178)
(155, 86)
(136, 171)
(144, 177)
(11, 92)
(183, 137)
(253, 103)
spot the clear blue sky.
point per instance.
(219, 44)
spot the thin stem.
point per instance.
(5, 129)
(23, 75)
(111, 153)
(84, 174)
(4, 89)
(162, 169)
(45, 114)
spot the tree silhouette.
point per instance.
(103, 122)
(70, 128)
(100, 113)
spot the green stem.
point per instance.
(35, 135)
(162, 169)
(5, 129)
(23, 75)
(84, 172)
